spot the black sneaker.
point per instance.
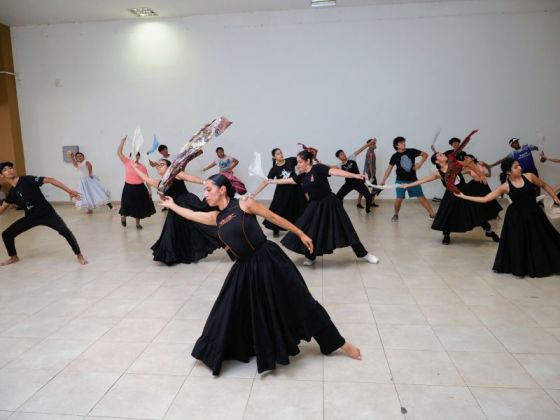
(446, 240)
(493, 235)
(139, 227)
(359, 206)
(123, 221)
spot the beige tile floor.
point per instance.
(442, 336)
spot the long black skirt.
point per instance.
(489, 210)
(457, 215)
(183, 241)
(136, 201)
(529, 244)
(264, 309)
(327, 224)
(288, 201)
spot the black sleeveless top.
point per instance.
(315, 182)
(239, 231)
(461, 184)
(522, 196)
(176, 189)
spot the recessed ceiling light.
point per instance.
(142, 12)
(323, 3)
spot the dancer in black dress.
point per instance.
(264, 308)
(135, 200)
(288, 200)
(477, 187)
(529, 244)
(324, 218)
(26, 194)
(181, 241)
(454, 215)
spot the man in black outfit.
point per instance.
(348, 163)
(26, 194)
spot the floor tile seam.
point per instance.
(392, 377)
(175, 396)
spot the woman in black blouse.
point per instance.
(324, 219)
(264, 308)
(288, 200)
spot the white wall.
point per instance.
(330, 78)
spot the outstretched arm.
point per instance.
(209, 166)
(501, 190)
(464, 143)
(544, 158)
(261, 186)
(498, 162)
(428, 178)
(151, 182)
(283, 181)
(206, 218)
(345, 174)
(120, 153)
(253, 207)
(361, 149)
(58, 184)
(540, 183)
(386, 174)
(183, 176)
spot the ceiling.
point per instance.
(46, 12)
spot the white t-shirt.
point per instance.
(224, 163)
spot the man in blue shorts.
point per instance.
(404, 159)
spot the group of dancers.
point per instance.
(264, 308)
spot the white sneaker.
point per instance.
(308, 262)
(372, 259)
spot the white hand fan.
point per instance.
(255, 168)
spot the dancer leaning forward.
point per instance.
(264, 308)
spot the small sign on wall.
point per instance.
(66, 149)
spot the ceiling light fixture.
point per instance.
(323, 3)
(142, 12)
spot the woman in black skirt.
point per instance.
(135, 200)
(477, 187)
(181, 241)
(324, 218)
(264, 308)
(288, 200)
(529, 244)
(455, 215)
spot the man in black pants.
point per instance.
(348, 163)
(26, 194)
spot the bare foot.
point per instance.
(81, 259)
(351, 350)
(10, 260)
